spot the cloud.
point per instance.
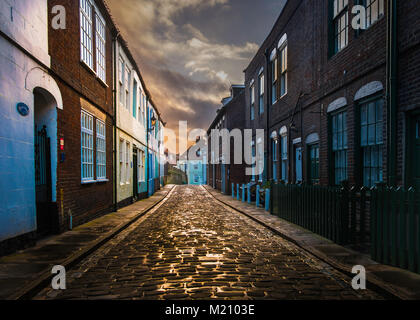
(187, 71)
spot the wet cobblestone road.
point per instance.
(193, 247)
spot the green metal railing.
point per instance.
(383, 221)
(395, 227)
(319, 209)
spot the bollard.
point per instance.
(258, 196)
(237, 192)
(233, 190)
(243, 193)
(249, 192)
(267, 199)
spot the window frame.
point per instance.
(100, 40)
(121, 151)
(252, 99)
(284, 157)
(343, 149)
(274, 79)
(100, 150)
(283, 54)
(337, 13)
(87, 147)
(127, 161)
(86, 32)
(261, 86)
(378, 146)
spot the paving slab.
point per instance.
(398, 283)
(24, 270)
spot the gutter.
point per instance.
(392, 89)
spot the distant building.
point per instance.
(231, 116)
(195, 167)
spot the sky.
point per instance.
(190, 51)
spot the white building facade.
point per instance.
(29, 99)
(131, 120)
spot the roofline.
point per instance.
(268, 36)
(119, 37)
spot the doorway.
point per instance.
(298, 164)
(45, 162)
(313, 164)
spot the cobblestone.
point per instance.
(193, 247)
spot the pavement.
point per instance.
(25, 272)
(396, 282)
(192, 246)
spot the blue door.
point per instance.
(223, 178)
(298, 165)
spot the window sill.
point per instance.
(88, 68)
(88, 181)
(102, 180)
(93, 72)
(102, 82)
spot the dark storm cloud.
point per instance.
(190, 51)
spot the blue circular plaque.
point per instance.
(23, 109)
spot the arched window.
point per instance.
(371, 132)
(284, 154)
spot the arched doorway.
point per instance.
(45, 161)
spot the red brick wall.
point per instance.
(77, 82)
(324, 78)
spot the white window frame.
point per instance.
(341, 22)
(100, 150)
(100, 46)
(87, 168)
(86, 32)
(127, 73)
(261, 82)
(122, 153)
(283, 68)
(127, 162)
(252, 107)
(121, 80)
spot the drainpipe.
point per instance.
(267, 97)
(114, 91)
(391, 89)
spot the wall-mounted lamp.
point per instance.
(153, 123)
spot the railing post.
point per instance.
(243, 192)
(258, 197)
(237, 192)
(267, 199)
(233, 190)
(249, 192)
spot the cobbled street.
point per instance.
(193, 247)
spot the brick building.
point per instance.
(231, 116)
(82, 64)
(339, 103)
